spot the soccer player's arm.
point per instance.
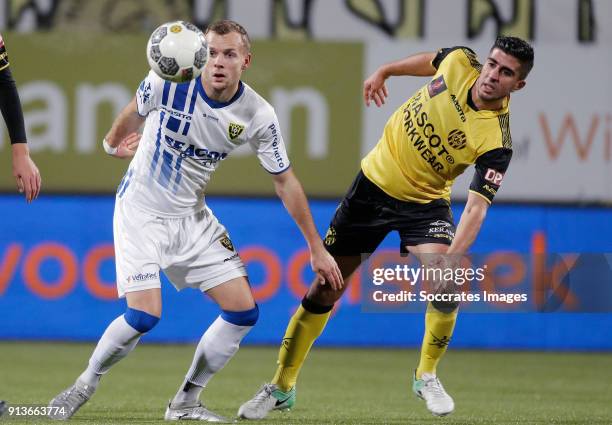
(123, 138)
(25, 171)
(490, 169)
(419, 65)
(270, 148)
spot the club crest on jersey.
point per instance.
(457, 139)
(227, 243)
(234, 130)
(436, 86)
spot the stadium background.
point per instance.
(78, 63)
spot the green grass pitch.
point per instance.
(337, 386)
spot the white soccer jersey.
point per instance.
(187, 135)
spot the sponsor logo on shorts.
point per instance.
(142, 277)
(330, 236)
(440, 223)
(441, 229)
(234, 130)
(227, 243)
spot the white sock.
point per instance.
(116, 343)
(216, 347)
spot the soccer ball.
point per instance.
(177, 51)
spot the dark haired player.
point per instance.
(459, 118)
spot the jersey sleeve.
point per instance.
(149, 93)
(489, 173)
(463, 54)
(10, 104)
(268, 144)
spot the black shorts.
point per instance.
(367, 214)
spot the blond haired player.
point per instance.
(162, 223)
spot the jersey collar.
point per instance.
(215, 104)
(471, 104)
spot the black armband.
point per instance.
(489, 172)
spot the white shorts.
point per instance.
(193, 251)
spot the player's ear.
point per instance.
(519, 85)
(247, 61)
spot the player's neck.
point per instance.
(484, 105)
(220, 95)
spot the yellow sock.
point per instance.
(304, 327)
(438, 331)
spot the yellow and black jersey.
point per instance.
(4, 62)
(433, 137)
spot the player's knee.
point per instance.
(242, 318)
(445, 307)
(323, 294)
(142, 321)
(316, 307)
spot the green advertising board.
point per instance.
(72, 85)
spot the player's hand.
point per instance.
(25, 172)
(128, 146)
(325, 267)
(374, 89)
(443, 263)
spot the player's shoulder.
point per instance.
(262, 110)
(457, 55)
(155, 79)
(494, 133)
(255, 99)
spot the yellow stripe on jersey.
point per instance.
(433, 137)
